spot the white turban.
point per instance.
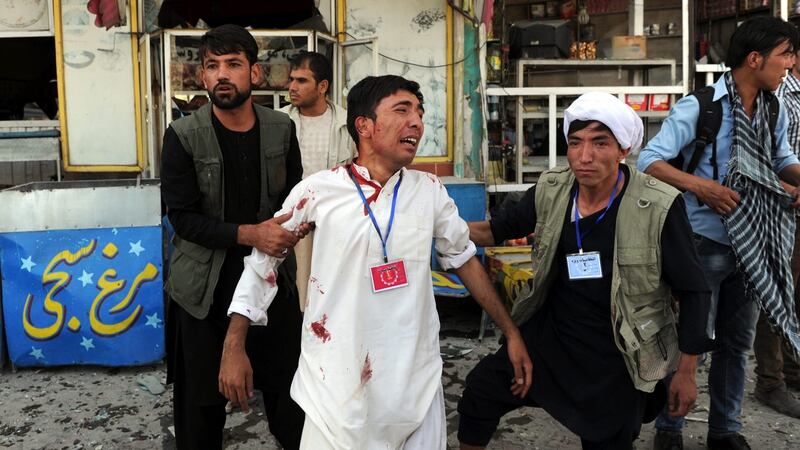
(608, 109)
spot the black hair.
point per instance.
(317, 63)
(796, 42)
(760, 34)
(578, 125)
(227, 39)
(364, 97)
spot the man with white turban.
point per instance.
(598, 320)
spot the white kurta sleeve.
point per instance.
(453, 247)
(258, 284)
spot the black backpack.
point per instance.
(708, 124)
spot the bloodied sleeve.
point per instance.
(258, 285)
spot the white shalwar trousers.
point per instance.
(431, 434)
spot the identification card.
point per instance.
(584, 266)
(388, 276)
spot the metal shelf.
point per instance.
(710, 70)
(599, 64)
(560, 114)
(553, 113)
(26, 34)
(166, 50)
(594, 62)
(538, 164)
(579, 90)
(276, 95)
(721, 67)
(653, 114)
(508, 187)
(255, 92)
(552, 110)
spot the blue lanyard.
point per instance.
(384, 240)
(578, 234)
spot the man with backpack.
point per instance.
(776, 368)
(740, 214)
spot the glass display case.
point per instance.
(176, 88)
(26, 18)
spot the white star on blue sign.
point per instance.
(36, 353)
(86, 278)
(27, 263)
(136, 247)
(86, 343)
(153, 320)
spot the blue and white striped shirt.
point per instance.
(789, 92)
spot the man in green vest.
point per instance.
(226, 170)
(612, 247)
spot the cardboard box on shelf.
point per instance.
(638, 102)
(629, 47)
(659, 102)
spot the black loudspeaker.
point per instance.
(540, 39)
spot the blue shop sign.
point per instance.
(83, 296)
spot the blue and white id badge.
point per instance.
(584, 266)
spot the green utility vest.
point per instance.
(194, 269)
(641, 312)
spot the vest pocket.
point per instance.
(209, 180)
(657, 353)
(276, 172)
(189, 268)
(638, 270)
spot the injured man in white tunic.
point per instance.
(369, 374)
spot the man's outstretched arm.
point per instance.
(477, 282)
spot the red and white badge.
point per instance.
(388, 276)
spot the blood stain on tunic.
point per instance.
(366, 371)
(316, 284)
(319, 329)
(270, 278)
(301, 203)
